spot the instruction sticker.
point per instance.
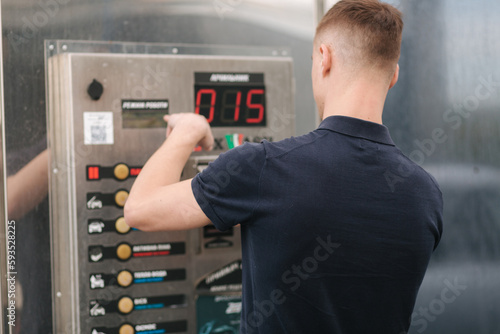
(98, 128)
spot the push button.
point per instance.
(125, 305)
(126, 329)
(125, 278)
(121, 197)
(121, 226)
(123, 252)
(121, 171)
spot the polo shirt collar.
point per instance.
(359, 128)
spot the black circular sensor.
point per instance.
(95, 90)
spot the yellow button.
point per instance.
(121, 197)
(124, 252)
(126, 329)
(125, 278)
(121, 171)
(121, 226)
(125, 305)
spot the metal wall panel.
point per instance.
(80, 180)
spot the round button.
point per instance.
(123, 252)
(121, 171)
(125, 305)
(125, 278)
(126, 329)
(121, 197)
(121, 226)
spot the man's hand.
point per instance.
(157, 200)
(193, 128)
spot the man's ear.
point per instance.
(326, 59)
(395, 77)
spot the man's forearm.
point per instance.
(164, 167)
(157, 200)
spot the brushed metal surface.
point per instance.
(123, 75)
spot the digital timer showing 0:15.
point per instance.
(229, 105)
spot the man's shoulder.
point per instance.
(267, 149)
(409, 169)
(292, 144)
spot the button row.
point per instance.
(120, 172)
(96, 201)
(125, 278)
(124, 251)
(179, 326)
(99, 226)
(125, 305)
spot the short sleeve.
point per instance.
(228, 189)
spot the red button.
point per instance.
(93, 172)
(135, 171)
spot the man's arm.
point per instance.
(157, 200)
(28, 187)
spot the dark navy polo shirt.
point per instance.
(337, 228)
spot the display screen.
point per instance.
(143, 114)
(231, 99)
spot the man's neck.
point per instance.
(362, 100)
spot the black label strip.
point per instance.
(171, 248)
(159, 302)
(145, 105)
(221, 78)
(151, 328)
(98, 308)
(97, 172)
(98, 253)
(158, 276)
(100, 280)
(99, 226)
(96, 201)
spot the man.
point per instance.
(331, 243)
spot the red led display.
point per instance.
(231, 106)
(231, 99)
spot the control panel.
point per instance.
(105, 120)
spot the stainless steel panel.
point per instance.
(128, 77)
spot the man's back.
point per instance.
(330, 243)
(337, 225)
